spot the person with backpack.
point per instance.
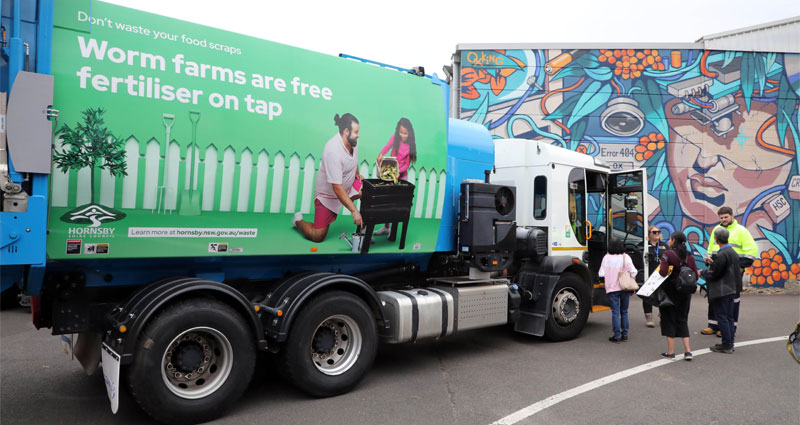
(675, 318)
(724, 281)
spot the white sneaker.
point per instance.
(297, 217)
(382, 231)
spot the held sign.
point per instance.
(653, 282)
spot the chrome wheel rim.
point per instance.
(336, 345)
(566, 307)
(197, 363)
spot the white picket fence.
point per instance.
(228, 181)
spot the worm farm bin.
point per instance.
(386, 202)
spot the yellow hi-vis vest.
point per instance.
(740, 240)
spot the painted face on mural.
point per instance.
(710, 171)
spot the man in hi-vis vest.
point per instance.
(745, 246)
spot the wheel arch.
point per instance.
(567, 264)
(145, 304)
(582, 271)
(292, 294)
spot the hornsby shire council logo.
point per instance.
(93, 215)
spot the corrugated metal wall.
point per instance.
(779, 36)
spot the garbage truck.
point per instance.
(162, 188)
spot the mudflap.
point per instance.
(533, 312)
(111, 362)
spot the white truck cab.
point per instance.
(575, 199)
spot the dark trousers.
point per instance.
(647, 307)
(675, 319)
(723, 310)
(713, 320)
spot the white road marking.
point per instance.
(549, 401)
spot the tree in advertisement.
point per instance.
(91, 145)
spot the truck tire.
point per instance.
(569, 310)
(192, 362)
(331, 345)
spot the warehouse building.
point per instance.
(715, 123)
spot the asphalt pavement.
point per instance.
(478, 377)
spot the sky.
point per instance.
(425, 33)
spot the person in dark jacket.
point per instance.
(724, 281)
(675, 319)
(655, 247)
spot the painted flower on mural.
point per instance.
(648, 145)
(610, 84)
(771, 269)
(630, 63)
(470, 76)
(776, 264)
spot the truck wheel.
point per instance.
(570, 308)
(331, 345)
(192, 362)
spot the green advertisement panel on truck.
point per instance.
(212, 140)
(157, 174)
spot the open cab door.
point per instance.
(627, 215)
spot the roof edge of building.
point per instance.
(752, 28)
(572, 46)
(708, 42)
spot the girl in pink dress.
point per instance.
(404, 149)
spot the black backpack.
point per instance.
(687, 280)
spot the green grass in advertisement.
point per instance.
(178, 139)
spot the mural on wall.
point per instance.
(712, 128)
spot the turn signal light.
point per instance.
(123, 329)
